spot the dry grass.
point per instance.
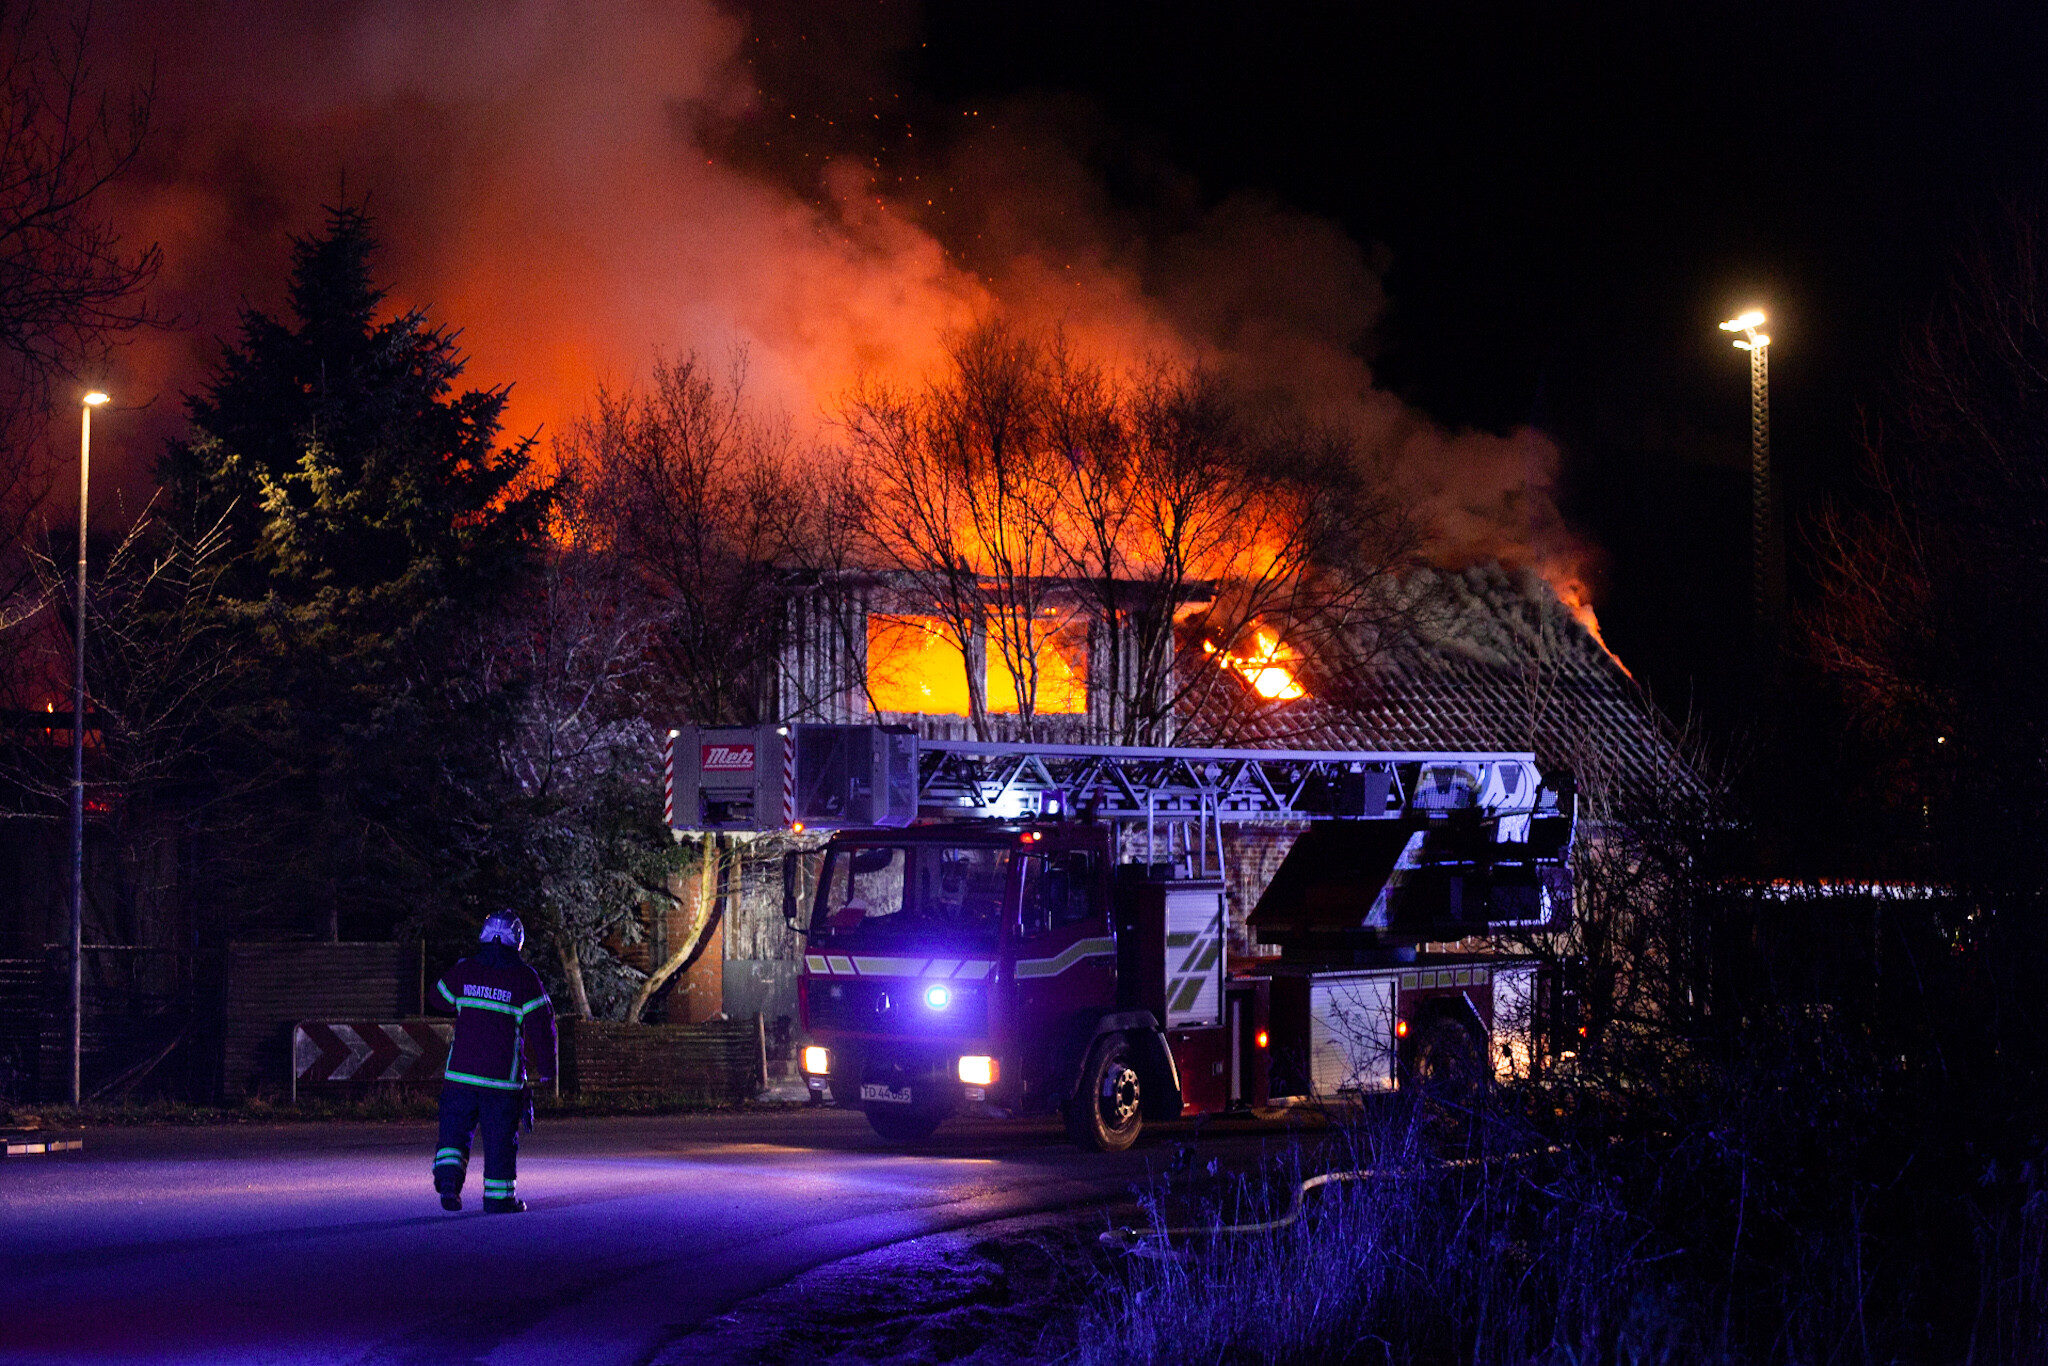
(1523, 1244)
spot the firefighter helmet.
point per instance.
(503, 927)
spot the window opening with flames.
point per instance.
(915, 665)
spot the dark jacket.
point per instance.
(504, 1023)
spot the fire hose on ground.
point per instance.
(1154, 1242)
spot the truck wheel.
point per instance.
(903, 1126)
(1448, 1062)
(1104, 1113)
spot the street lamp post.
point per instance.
(1759, 346)
(92, 401)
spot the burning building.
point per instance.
(870, 647)
(1483, 658)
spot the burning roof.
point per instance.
(1490, 658)
(1494, 659)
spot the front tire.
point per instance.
(1447, 1076)
(1106, 1111)
(844, 1082)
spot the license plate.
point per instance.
(892, 1095)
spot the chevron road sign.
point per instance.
(404, 1050)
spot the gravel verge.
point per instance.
(988, 1296)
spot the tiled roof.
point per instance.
(1495, 661)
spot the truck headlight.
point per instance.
(937, 996)
(816, 1061)
(978, 1071)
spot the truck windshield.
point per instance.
(912, 898)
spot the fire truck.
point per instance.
(1032, 928)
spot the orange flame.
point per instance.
(915, 665)
(1268, 667)
(1577, 596)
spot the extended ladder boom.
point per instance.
(800, 776)
(1019, 781)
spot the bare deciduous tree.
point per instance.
(1027, 492)
(693, 489)
(1293, 528)
(687, 522)
(69, 289)
(1933, 616)
(579, 755)
(159, 661)
(959, 476)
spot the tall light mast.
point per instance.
(1759, 347)
(92, 401)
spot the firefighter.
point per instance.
(504, 1042)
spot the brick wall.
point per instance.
(719, 1060)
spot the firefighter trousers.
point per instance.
(465, 1109)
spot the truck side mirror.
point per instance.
(789, 880)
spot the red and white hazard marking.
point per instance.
(31, 1145)
(668, 781)
(789, 780)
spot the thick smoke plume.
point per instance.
(547, 176)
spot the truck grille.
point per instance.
(857, 1004)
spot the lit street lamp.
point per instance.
(1758, 345)
(92, 401)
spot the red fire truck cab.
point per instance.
(1015, 969)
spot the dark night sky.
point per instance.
(1558, 202)
(1568, 198)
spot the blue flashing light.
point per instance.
(938, 997)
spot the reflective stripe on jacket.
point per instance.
(504, 1022)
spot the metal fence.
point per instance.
(150, 1024)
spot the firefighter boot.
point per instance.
(499, 1199)
(450, 1166)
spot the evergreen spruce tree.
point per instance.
(377, 517)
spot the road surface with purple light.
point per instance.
(324, 1243)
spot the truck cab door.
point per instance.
(1065, 957)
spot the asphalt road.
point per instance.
(324, 1243)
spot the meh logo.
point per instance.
(728, 759)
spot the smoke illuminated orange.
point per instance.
(549, 179)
